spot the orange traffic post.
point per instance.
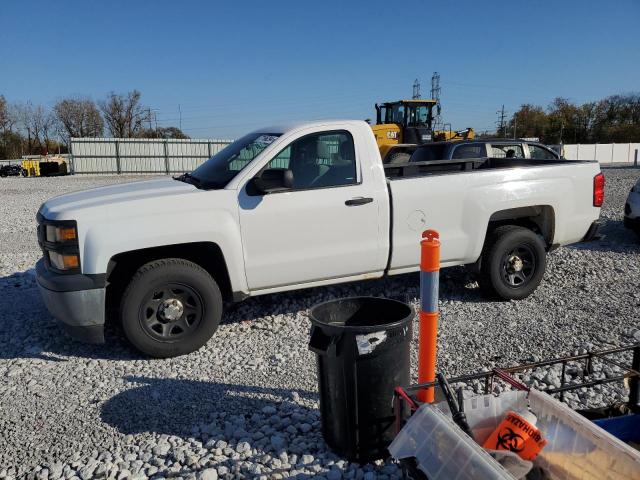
(429, 283)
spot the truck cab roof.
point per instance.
(325, 124)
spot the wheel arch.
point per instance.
(539, 218)
(207, 255)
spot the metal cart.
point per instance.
(621, 419)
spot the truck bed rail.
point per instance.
(439, 167)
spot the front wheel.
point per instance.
(513, 263)
(171, 307)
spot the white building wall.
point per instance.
(605, 153)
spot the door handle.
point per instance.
(358, 201)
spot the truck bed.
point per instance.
(430, 195)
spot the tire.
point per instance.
(171, 307)
(513, 263)
(398, 158)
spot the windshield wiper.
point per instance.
(188, 178)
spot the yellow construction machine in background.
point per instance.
(44, 166)
(402, 125)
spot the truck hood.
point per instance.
(116, 199)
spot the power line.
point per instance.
(435, 95)
(435, 86)
(416, 90)
(501, 123)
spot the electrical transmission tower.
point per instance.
(416, 89)
(435, 95)
(501, 123)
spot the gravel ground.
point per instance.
(246, 404)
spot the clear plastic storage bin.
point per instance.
(577, 448)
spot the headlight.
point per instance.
(59, 243)
(64, 261)
(55, 234)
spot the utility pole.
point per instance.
(435, 95)
(501, 122)
(149, 118)
(515, 126)
(416, 89)
(180, 115)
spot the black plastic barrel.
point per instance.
(363, 353)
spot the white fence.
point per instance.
(603, 152)
(141, 155)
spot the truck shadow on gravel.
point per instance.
(612, 237)
(188, 408)
(456, 284)
(28, 331)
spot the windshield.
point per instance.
(419, 116)
(220, 169)
(411, 114)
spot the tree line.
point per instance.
(27, 129)
(614, 119)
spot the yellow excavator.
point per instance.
(402, 125)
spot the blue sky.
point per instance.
(235, 66)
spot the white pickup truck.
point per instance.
(293, 207)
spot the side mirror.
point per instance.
(271, 181)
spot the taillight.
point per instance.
(598, 190)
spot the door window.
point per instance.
(428, 152)
(540, 153)
(507, 151)
(319, 160)
(473, 150)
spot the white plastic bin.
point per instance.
(577, 448)
(442, 450)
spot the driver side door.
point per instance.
(326, 226)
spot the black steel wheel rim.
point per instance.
(171, 312)
(518, 266)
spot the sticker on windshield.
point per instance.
(265, 140)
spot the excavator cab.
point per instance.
(402, 125)
(405, 121)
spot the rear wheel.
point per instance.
(171, 307)
(513, 263)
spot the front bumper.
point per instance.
(77, 301)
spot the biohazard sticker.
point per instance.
(516, 435)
